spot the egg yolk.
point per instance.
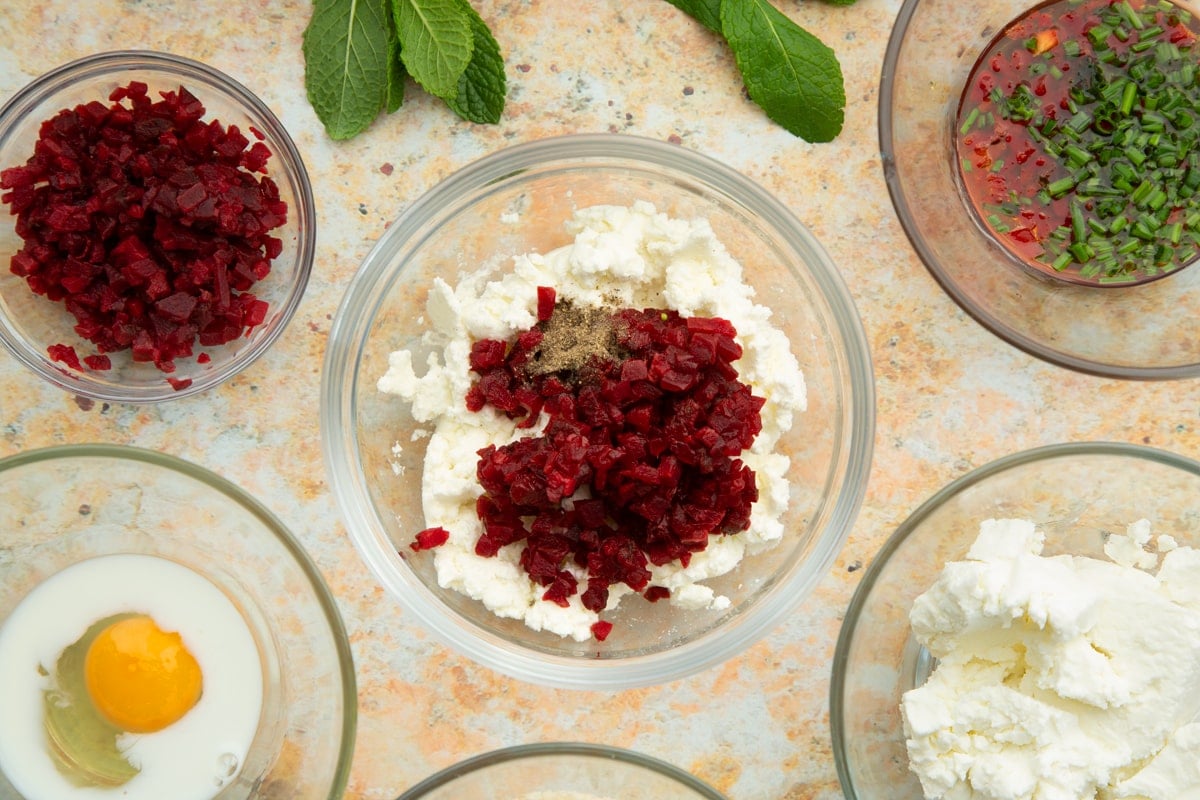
(140, 677)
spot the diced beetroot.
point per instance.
(177, 307)
(601, 629)
(656, 593)
(653, 437)
(64, 354)
(147, 223)
(487, 354)
(430, 538)
(545, 302)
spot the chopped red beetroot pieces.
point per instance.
(430, 538)
(601, 629)
(64, 354)
(148, 223)
(545, 302)
(638, 461)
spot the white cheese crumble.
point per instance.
(620, 257)
(1060, 677)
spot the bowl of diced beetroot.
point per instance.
(597, 411)
(156, 226)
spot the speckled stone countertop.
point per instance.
(951, 396)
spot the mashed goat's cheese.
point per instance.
(621, 257)
(1059, 677)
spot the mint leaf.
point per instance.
(789, 72)
(708, 12)
(346, 63)
(396, 72)
(481, 89)
(435, 43)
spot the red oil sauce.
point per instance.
(1028, 80)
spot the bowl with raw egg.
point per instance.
(162, 634)
(1042, 161)
(157, 226)
(562, 771)
(598, 411)
(1032, 629)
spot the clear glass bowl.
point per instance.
(562, 771)
(29, 323)
(67, 504)
(1077, 493)
(457, 226)
(1144, 332)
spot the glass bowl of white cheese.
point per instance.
(597, 411)
(563, 771)
(1033, 629)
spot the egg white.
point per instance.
(189, 760)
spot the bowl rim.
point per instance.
(339, 416)
(533, 750)
(1006, 332)
(323, 594)
(19, 107)
(837, 684)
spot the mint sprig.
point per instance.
(358, 54)
(794, 77)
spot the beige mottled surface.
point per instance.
(950, 395)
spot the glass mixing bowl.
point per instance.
(515, 202)
(65, 504)
(1077, 494)
(562, 771)
(31, 323)
(1145, 332)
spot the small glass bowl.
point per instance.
(562, 771)
(30, 323)
(67, 504)
(1077, 494)
(1146, 331)
(374, 449)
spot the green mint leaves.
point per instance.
(708, 12)
(357, 54)
(346, 63)
(481, 87)
(790, 73)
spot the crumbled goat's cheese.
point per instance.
(620, 257)
(1058, 677)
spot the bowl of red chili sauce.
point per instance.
(1043, 162)
(157, 227)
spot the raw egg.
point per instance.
(139, 677)
(127, 676)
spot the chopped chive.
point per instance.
(1059, 187)
(965, 128)
(1099, 34)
